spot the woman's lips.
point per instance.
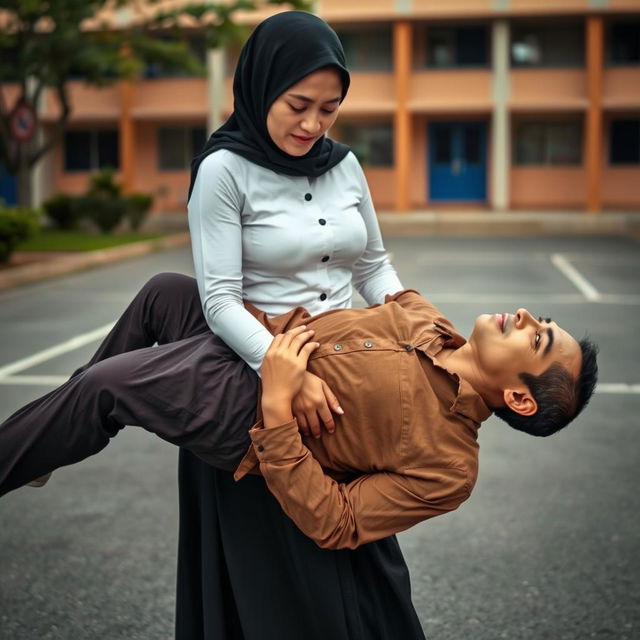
(302, 139)
(501, 319)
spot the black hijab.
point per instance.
(281, 51)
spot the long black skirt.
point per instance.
(245, 572)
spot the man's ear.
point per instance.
(521, 401)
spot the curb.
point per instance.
(72, 262)
(485, 223)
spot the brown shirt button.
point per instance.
(337, 347)
(368, 344)
(260, 448)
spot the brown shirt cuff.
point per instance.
(276, 443)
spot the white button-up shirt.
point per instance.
(281, 242)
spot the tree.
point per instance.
(45, 43)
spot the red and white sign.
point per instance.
(23, 121)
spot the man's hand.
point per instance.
(282, 371)
(313, 405)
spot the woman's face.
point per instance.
(305, 111)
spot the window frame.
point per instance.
(367, 127)
(547, 126)
(188, 133)
(94, 149)
(425, 62)
(547, 26)
(618, 163)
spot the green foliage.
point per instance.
(63, 211)
(103, 203)
(139, 206)
(106, 212)
(102, 184)
(16, 225)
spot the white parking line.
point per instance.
(34, 381)
(618, 388)
(572, 274)
(53, 352)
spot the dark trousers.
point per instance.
(191, 390)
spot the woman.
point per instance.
(281, 215)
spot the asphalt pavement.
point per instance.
(547, 547)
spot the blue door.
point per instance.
(457, 161)
(8, 187)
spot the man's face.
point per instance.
(507, 344)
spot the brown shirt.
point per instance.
(405, 449)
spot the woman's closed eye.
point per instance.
(302, 109)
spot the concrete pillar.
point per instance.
(127, 136)
(500, 125)
(593, 124)
(402, 118)
(216, 88)
(37, 172)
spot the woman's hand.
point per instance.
(283, 372)
(313, 405)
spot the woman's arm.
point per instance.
(215, 223)
(373, 274)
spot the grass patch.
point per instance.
(50, 240)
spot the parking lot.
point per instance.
(547, 547)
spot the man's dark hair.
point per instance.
(559, 396)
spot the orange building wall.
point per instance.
(548, 187)
(548, 89)
(462, 89)
(621, 87)
(187, 98)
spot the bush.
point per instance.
(139, 207)
(16, 225)
(106, 213)
(103, 203)
(103, 185)
(63, 211)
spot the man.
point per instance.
(414, 393)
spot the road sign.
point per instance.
(23, 121)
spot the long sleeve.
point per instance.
(346, 515)
(216, 235)
(374, 277)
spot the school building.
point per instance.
(454, 104)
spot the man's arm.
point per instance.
(336, 515)
(345, 515)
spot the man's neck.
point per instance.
(461, 362)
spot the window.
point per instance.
(372, 144)
(624, 142)
(548, 143)
(367, 49)
(547, 46)
(90, 150)
(457, 47)
(178, 145)
(624, 43)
